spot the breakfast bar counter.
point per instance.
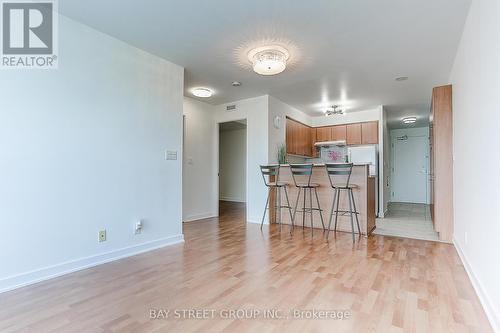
(364, 195)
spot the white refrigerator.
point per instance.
(369, 155)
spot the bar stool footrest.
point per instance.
(344, 212)
(307, 210)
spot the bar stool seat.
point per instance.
(305, 185)
(277, 184)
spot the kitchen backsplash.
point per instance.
(295, 159)
(334, 154)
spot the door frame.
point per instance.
(217, 156)
(393, 163)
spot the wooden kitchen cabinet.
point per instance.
(295, 138)
(289, 136)
(290, 132)
(324, 133)
(339, 132)
(314, 152)
(304, 148)
(298, 138)
(353, 134)
(369, 133)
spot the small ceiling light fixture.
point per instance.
(236, 83)
(401, 78)
(202, 92)
(334, 110)
(409, 120)
(268, 60)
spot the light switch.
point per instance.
(170, 155)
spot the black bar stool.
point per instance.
(274, 171)
(342, 169)
(301, 174)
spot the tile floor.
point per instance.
(408, 220)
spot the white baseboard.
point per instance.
(199, 217)
(35, 276)
(232, 199)
(481, 293)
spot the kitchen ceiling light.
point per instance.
(334, 110)
(236, 83)
(409, 120)
(202, 92)
(268, 60)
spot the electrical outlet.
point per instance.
(102, 235)
(138, 227)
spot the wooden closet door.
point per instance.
(442, 161)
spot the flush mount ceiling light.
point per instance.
(334, 110)
(202, 92)
(401, 78)
(409, 120)
(236, 83)
(268, 60)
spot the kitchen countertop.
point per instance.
(323, 164)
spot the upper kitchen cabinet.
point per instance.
(304, 148)
(298, 138)
(314, 151)
(353, 134)
(369, 133)
(289, 136)
(339, 133)
(323, 134)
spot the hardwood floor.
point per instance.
(409, 220)
(386, 284)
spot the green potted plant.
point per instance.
(281, 154)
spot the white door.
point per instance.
(410, 167)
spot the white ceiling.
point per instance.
(342, 51)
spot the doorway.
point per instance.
(408, 213)
(410, 168)
(232, 167)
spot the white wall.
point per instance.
(232, 165)
(82, 149)
(476, 103)
(199, 186)
(422, 132)
(255, 111)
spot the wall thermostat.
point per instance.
(277, 122)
